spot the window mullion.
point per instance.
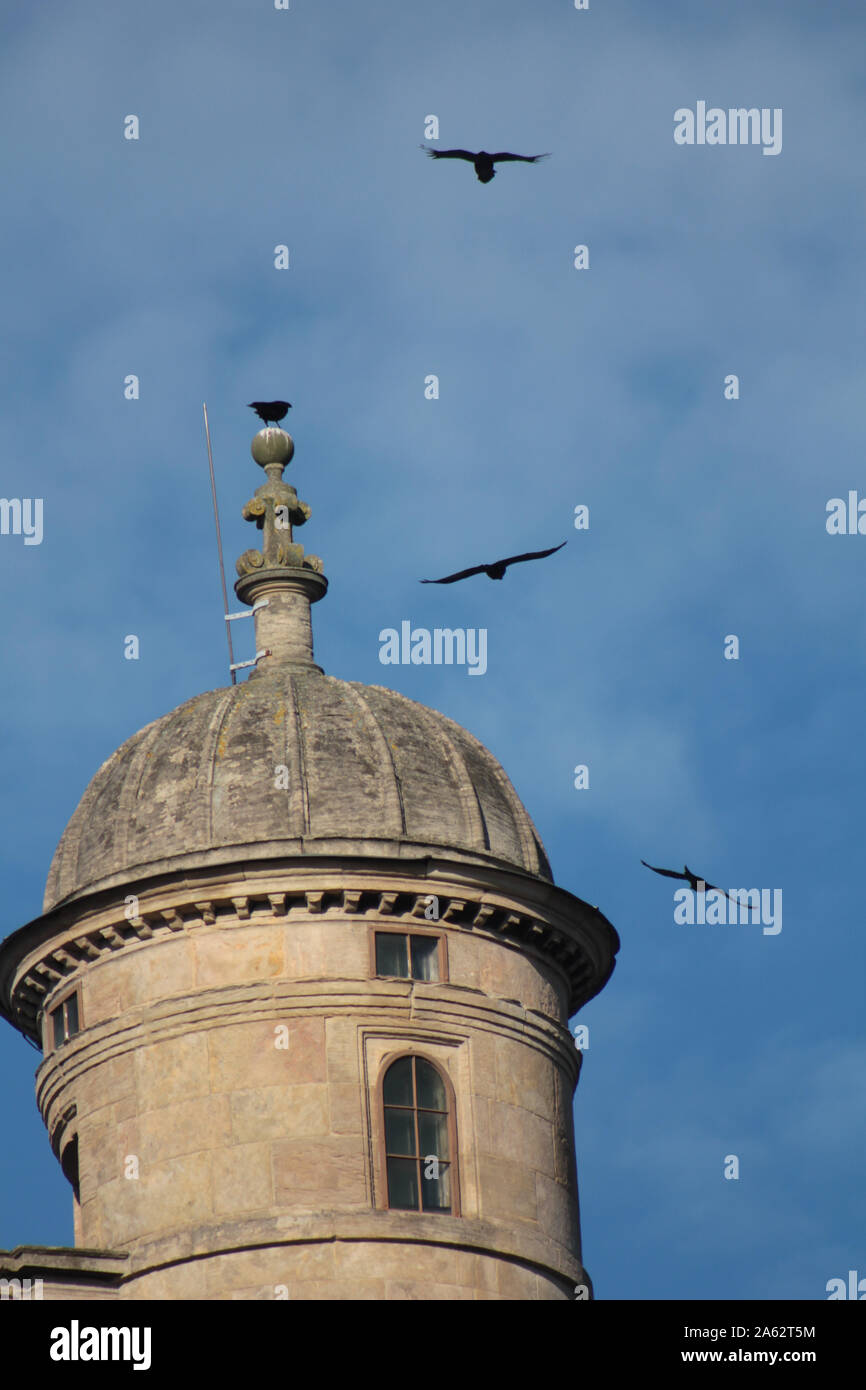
(417, 1132)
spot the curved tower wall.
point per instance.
(225, 1087)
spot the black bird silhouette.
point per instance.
(270, 410)
(498, 568)
(688, 877)
(483, 161)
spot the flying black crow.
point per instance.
(688, 877)
(270, 410)
(483, 161)
(498, 568)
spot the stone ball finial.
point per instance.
(272, 445)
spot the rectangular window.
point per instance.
(64, 1020)
(408, 957)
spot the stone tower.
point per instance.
(302, 982)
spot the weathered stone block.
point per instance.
(345, 1108)
(524, 1076)
(232, 955)
(242, 1180)
(168, 1197)
(523, 1137)
(172, 1070)
(264, 1270)
(319, 1173)
(244, 1056)
(279, 1112)
(507, 1190)
(433, 1264)
(185, 1127)
(557, 1211)
(417, 1290)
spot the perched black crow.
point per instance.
(270, 410)
(483, 161)
(498, 568)
(688, 877)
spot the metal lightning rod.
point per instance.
(216, 516)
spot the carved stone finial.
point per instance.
(280, 571)
(275, 509)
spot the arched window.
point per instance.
(418, 1137)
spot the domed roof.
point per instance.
(291, 762)
(295, 763)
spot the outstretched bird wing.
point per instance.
(532, 555)
(668, 873)
(524, 158)
(462, 574)
(448, 154)
(482, 569)
(708, 887)
(688, 877)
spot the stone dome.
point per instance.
(292, 763)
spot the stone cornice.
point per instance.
(60, 1264)
(521, 911)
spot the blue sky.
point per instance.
(557, 387)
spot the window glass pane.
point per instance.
(399, 1131)
(403, 1183)
(425, 957)
(436, 1192)
(397, 1088)
(431, 1087)
(391, 955)
(71, 1015)
(57, 1016)
(433, 1133)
